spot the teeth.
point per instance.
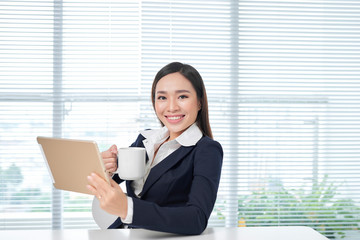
(173, 118)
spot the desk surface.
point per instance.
(243, 233)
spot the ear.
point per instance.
(199, 105)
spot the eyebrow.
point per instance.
(177, 91)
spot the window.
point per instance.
(283, 85)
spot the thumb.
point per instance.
(110, 152)
(113, 149)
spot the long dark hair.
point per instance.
(194, 77)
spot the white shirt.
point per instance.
(154, 139)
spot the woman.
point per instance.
(179, 192)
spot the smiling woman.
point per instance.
(179, 190)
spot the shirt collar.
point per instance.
(156, 135)
(188, 138)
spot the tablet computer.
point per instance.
(70, 161)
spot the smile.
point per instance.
(175, 118)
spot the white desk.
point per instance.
(243, 233)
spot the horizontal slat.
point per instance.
(282, 79)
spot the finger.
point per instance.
(99, 184)
(98, 196)
(99, 181)
(92, 190)
(109, 160)
(113, 149)
(111, 170)
(110, 165)
(108, 154)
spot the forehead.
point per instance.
(173, 82)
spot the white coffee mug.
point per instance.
(131, 163)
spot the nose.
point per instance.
(173, 105)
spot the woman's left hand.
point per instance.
(111, 197)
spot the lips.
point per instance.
(175, 118)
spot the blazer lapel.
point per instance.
(165, 165)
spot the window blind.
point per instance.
(297, 149)
(68, 69)
(26, 69)
(282, 79)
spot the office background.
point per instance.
(283, 82)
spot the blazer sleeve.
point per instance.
(192, 218)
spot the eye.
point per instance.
(161, 98)
(183, 96)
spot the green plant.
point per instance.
(9, 179)
(318, 207)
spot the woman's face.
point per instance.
(176, 103)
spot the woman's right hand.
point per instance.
(109, 158)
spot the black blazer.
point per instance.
(180, 192)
